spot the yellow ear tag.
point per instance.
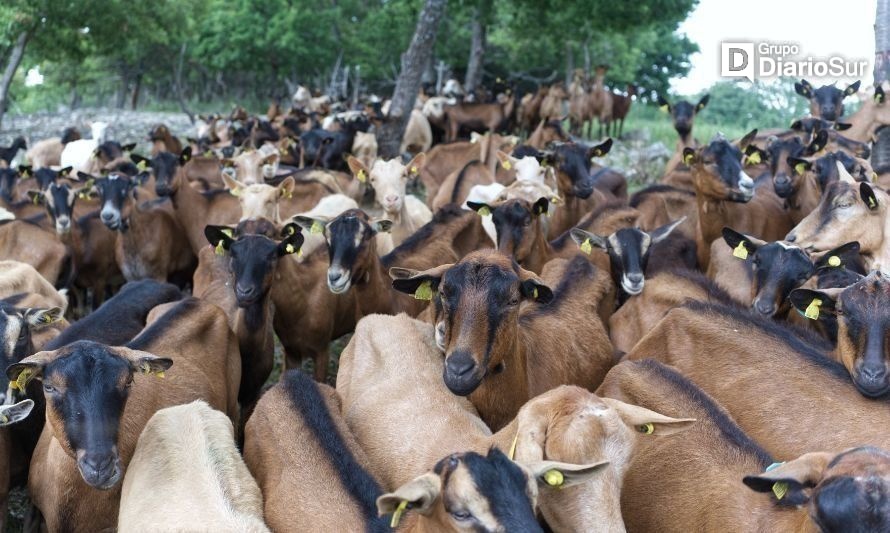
(300, 253)
(22, 380)
(871, 203)
(146, 369)
(647, 429)
(780, 489)
(227, 232)
(665, 108)
(484, 211)
(288, 195)
(220, 250)
(396, 516)
(316, 227)
(800, 168)
(812, 311)
(48, 318)
(36, 199)
(834, 261)
(754, 158)
(424, 291)
(361, 176)
(289, 248)
(740, 251)
(290, 230)
(554, 478)
(507, 165)
(414, 170)
(586, 247)
(208, 153)
(141, 165)
(535, 293)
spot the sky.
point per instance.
(820, 27)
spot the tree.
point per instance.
(882, 41)
(413, 62)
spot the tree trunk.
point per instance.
(12, 65)
(137, 86)
(477, 54)
(882, 41)
(177, 84)
(408, 84)
(570, 63)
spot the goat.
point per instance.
(872, 114)
(418, 137)
(27, 242)
(683, 116)
(444, 159)
(575, 182)
(79, 154)
(826, 102)
(495, 354)
(477, 116)
(8, 153)
(555, 426)
(548, 131)
(83, 449)
(364, 148)
(188, 453)
(621, 107)
(722, 455)
(163, 141)
(48, 152)
(699, 337)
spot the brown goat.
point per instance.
(500, 355)
(29, 243)
(485, 117)
(163, 141)
(753, 355)
(445, 159)
(564, 424)
(658, 494)
(725, 196)
(75, 457)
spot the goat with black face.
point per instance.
(827, 101)
(86, 385)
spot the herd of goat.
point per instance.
(531, 348)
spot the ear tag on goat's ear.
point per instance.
(740, 251)
(290, 230)
(146, 369)
(800, 168)
(141, 165)
(834, 261)
(871, 202)
(754, 158)
(535, 293)
(424, 291)
(220, 250)
(316, 227)
(207, 153)
(227, 232)
(647, 429)
(36, 199)
(812, 311)
(507, 165)
(397, 516)
(586, 247)
(362, 177)
(289, 248)
(554, 478)
(22, 380)
(414, 170)
(484, 211)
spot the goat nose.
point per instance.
(97, 463)
(245, 291)
(764, 307)
(791, 237)
(635, 277)
(873, 373)
(460, 365)
(107, 215)
(391, 199)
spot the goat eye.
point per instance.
(49, 389)
(461, 515)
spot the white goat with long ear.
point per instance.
(79, 154)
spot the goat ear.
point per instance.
(587, 240)
(800, 166)
(662, 233)
(600, 150)
(879, 95)
(83, 176)
(185, 155)
(234, 186)
(10, 414)
(286, 187)
(422, 284)
(556, 475)
(815, 304)
(541, 206)
(507, 161)
(358, 169)
(416, 163)
(480, 207)
(842, 126)
(646, 421)
(747, 139)
(797, 125)
(868, 195)
(312, 225)
(64, 172)
(381, 226)
(803, 88)
(144, 362)
(221, 237)
(838, 257)
(791, 477)
(128, 147)
(419, 495)
(689, 156)
(29, 368)
(36, 197)
(40, 318)
(742, 245)
(702, 103)
(533, 288)
(852, 88)
(754, 155)
(820, 140)
(663, 104)
(291, 243)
